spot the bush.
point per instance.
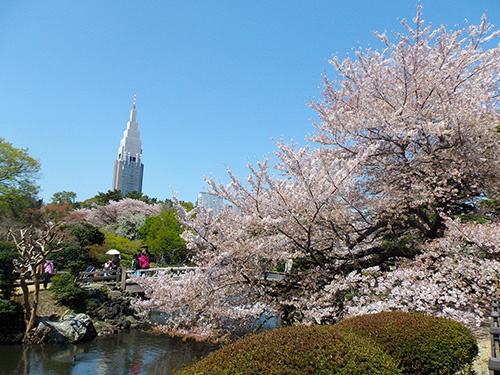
(67, 291)
(422, 344)
(297, 350)
(11, 320)
(7, 275)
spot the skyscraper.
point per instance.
(210, 201)
(128, 169)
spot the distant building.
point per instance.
(210, 201)
(128, 169)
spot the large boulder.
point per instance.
(68, 330)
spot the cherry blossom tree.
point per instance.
(124, 217)
(407, 138)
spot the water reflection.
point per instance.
(125, 353)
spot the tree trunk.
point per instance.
(34, 304)
(26, 301)
(30, 309)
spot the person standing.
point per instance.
(116, 262)
(48, 271)
(144, 260)
(135, 264)
(108, 266)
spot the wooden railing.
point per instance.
(120, 276)
(92, 276)
(155, 271)
(494, 363)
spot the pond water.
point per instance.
(131, 352)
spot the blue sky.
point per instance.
(215, 80)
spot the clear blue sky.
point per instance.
(215, 80)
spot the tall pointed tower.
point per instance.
(128, 169)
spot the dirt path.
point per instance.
(47, 306)
(481, 362)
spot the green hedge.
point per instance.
(297, 350)
(11, 320)
(422, 344)
(67, 291)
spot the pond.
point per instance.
(131, 352)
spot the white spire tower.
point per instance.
(128, 169)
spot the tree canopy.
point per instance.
(406, 143)
(161, 235)
(18, 172)
(64, 197)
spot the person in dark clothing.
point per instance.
(116, 262)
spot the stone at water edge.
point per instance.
(69, 330)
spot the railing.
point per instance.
(155, 271)
(108, 275)
(119, 276)
(494, 363)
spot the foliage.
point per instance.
(86, 235)
(366, 203)
(297, 350)
(64, 197)
(102, 199)
(11, 320)
(7, 276)
(69, 254)
(161, 235)
(421, 344)
(67, 291)
(13, 206)
(123, 218)
(122, 244)
(75, 256)
(134, 194)
(18, 172)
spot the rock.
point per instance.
(132, 319)
(114, 309)
(115, 294)
(124, 323)
(95, 294)
(69, 330)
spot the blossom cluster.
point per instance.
(407, 140)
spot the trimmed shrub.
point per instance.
(67, 291)
(11, 320)
(297, 350)
(422, 344)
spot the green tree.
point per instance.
(18, 172)
(161, 234)
(134, 194)
(64, 197)
(75, 256)
(86, 234)
(123, 244)
(102, 199)
(13, 206)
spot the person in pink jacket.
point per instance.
(144, 260)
